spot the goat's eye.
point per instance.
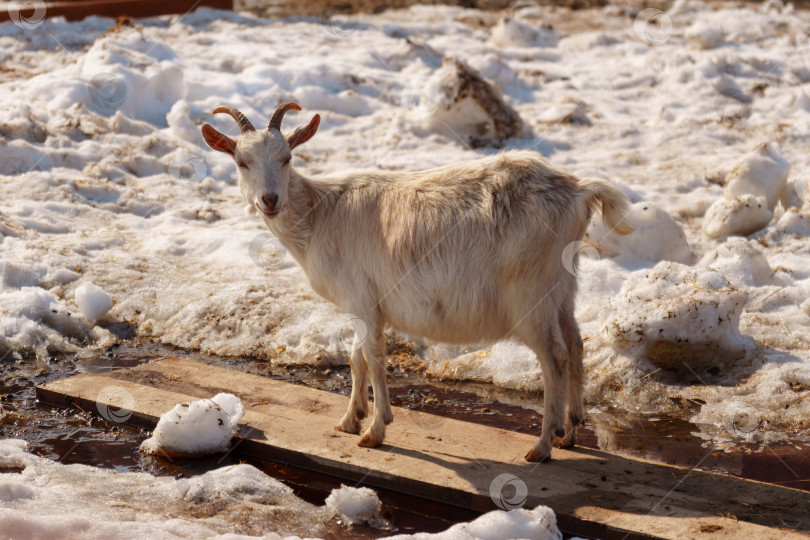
(286, 162)
(242, 165)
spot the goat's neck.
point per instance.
(293, 226)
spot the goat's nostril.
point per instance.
(270, 199)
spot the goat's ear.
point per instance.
(304, 133)
(217, 140)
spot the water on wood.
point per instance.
(75, 436)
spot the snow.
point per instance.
(512, 32)
(537, 524)
(704, 119)
(741, 215)
(47, 499)
(354, 505)
(92, 301)
(763, 173)
(196, 428)
(753, 189)
(657, 237)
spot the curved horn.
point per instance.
(241, 119)
(275, 122)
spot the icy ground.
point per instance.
(702, 117)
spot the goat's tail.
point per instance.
(614, 203)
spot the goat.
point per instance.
(465, 253)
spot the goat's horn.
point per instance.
(275, 122)
(241, 119)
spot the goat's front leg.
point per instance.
(374, 353)
(358, 403)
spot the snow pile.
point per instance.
(537, 524)
(678, 318)
(795, 193)
(513, 32)
(568, 110)
(702, 35)
(753, 188)
(42, 498)
(93, 301)
(354, 505)
(32, 321)
(741, 215)
(657, 237)
(198, 428)
(466, 106)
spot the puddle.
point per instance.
(73, 436)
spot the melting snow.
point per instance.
(198, 428)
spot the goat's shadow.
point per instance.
(670, 492)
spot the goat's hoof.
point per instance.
(367, 441)
(536, 456)
(349, 426)
(567, 441)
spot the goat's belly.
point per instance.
(439, 322)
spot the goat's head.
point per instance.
(262, 157)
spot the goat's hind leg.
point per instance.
(358, 403)
(576, 372)
(546, 346)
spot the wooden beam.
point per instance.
(75, 10)
(452, 461)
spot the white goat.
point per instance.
(466, 253)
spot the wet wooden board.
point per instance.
(593, 493)
(73, 10)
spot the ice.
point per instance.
(537, 524)
(92, 301)
(354, 505)
(198, 428)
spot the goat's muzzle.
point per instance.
(270, 201)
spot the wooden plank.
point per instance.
(455, 462)
(76, 10)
